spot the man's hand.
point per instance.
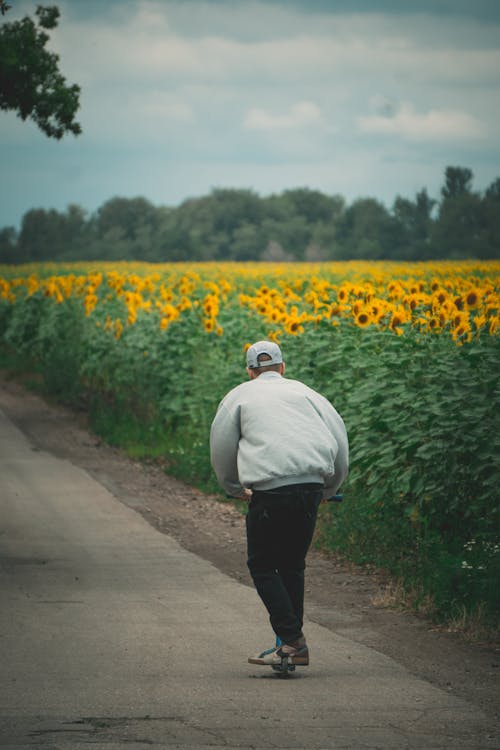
(247, 495)
(338, 498)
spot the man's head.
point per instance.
(264, 356)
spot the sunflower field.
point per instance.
(409, 354)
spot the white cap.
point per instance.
(263, 347)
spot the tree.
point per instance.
(30, 81)
(125, 229)
(367, 231)
(312, 205)
(459, 230)
(415, 221)
(8, 245)
(458, 182)
(491, 220)
(184, 233)
(41, 234)
(246, 242)
(232, 212)
(493, 191)
(129, 214)
(224, 225)
(296, 225)
(303, 222)
(75, 233)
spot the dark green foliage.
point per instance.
(422, 498)
(367, 231)
(296, 225)
(49, 233)
(415, 223)
(30, 81)
(52, 337)
(8, 245)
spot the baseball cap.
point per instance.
(263, 347)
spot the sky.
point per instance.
(359, 98)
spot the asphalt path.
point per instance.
(114, 636)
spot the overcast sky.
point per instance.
(351, 97)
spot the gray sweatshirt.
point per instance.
(272, 431)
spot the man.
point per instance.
(281, 446)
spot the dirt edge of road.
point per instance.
(339, 596)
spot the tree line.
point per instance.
(295, 225)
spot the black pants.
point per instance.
(280, 527)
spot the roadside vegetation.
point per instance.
(408, 354)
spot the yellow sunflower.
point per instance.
(363, 319)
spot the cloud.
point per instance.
(300, 115)
(144, 40)
(180, 95)
(161, 107)
(434, 125)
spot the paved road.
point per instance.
(113, 636)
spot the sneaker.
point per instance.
(298, 656)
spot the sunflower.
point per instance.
(363, 319)
(184, 304)
(334, 311)
(398, 318)
(480, 321)
(439, 298)
(166, 294)
(118, 329)
(211, 305)
(460, 320)
(294, 327)
(274, 335)
(472, 298)
(90, 302)
(275, 316)
(413, 301)
(442, 319)
(461, 334)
